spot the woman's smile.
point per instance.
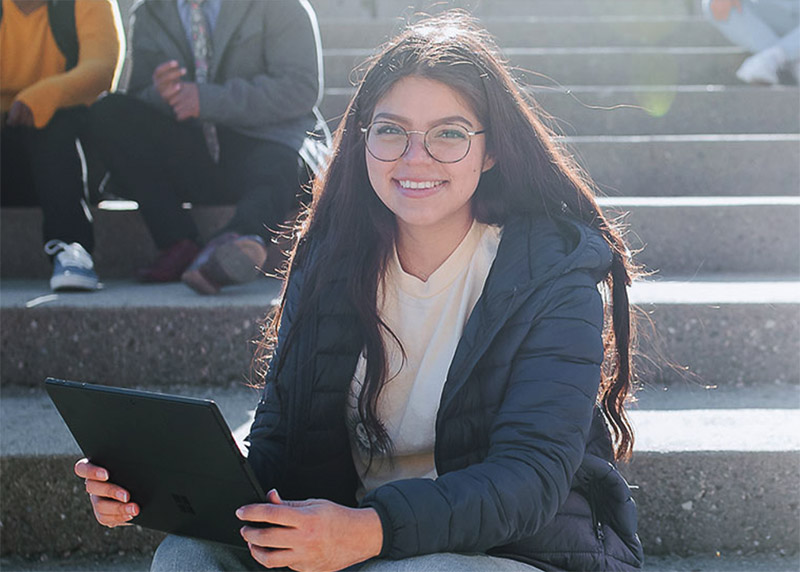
(419, 188)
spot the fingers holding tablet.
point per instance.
(109, 501)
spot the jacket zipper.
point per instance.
(598, 526)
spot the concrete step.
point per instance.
(713, 330)
(716, 440)
(728, 235)
(737, 234)
(692, 165)
(333, 12)
(131, 333)
(123, 242)
(718, 330)
(709, 480)
(586, 66)
(649, 110)
(512, 31)
(505, 8)
(366, 23)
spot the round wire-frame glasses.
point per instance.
(446, 143)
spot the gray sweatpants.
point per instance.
(178, 554)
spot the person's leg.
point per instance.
(447, 562)
(744, 28)
(179, 553)
(154, 160)
(768, 28)
(790, 44)
(45, 165)
(783, 17)
(262, 178)
(16, 179)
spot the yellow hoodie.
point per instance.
(32, 68)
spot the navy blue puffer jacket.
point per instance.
(522, 453)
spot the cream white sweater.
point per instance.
(428, 317)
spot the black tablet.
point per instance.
(175, 455)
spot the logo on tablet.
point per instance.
(183, 504)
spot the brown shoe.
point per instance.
(228, 259)
(171, 262)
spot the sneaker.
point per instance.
(228, 259)
(73, 267)
(763, 67)
(171, 262)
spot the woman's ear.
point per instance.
(488, 162)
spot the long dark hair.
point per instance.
(353, 232)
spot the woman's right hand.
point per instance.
(110, 502)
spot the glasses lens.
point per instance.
(386, 141)
(447, 143)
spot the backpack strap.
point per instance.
(61, 14)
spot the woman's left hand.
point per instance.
(312, 535)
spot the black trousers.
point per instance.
(44, 167)
(162, 163)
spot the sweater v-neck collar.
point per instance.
(446, 274)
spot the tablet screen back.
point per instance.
(175, 455)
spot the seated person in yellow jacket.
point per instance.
(56, 57)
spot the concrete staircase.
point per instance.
(706, 173)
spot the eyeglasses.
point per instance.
(447, 143)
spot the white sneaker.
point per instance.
(73, 268)
(763, 67)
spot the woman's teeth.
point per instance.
(419, 184)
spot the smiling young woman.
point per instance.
(444, 386)
(431, 199)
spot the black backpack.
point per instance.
(61, 14)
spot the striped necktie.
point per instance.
(201, 46)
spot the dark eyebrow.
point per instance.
(399, 119)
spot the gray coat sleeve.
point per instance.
(271, 71)
(288, 86)
(147, 50)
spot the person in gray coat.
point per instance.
(220, 98)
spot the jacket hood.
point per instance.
(535, 249)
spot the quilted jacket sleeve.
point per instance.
(536, 443)
(267, 438)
